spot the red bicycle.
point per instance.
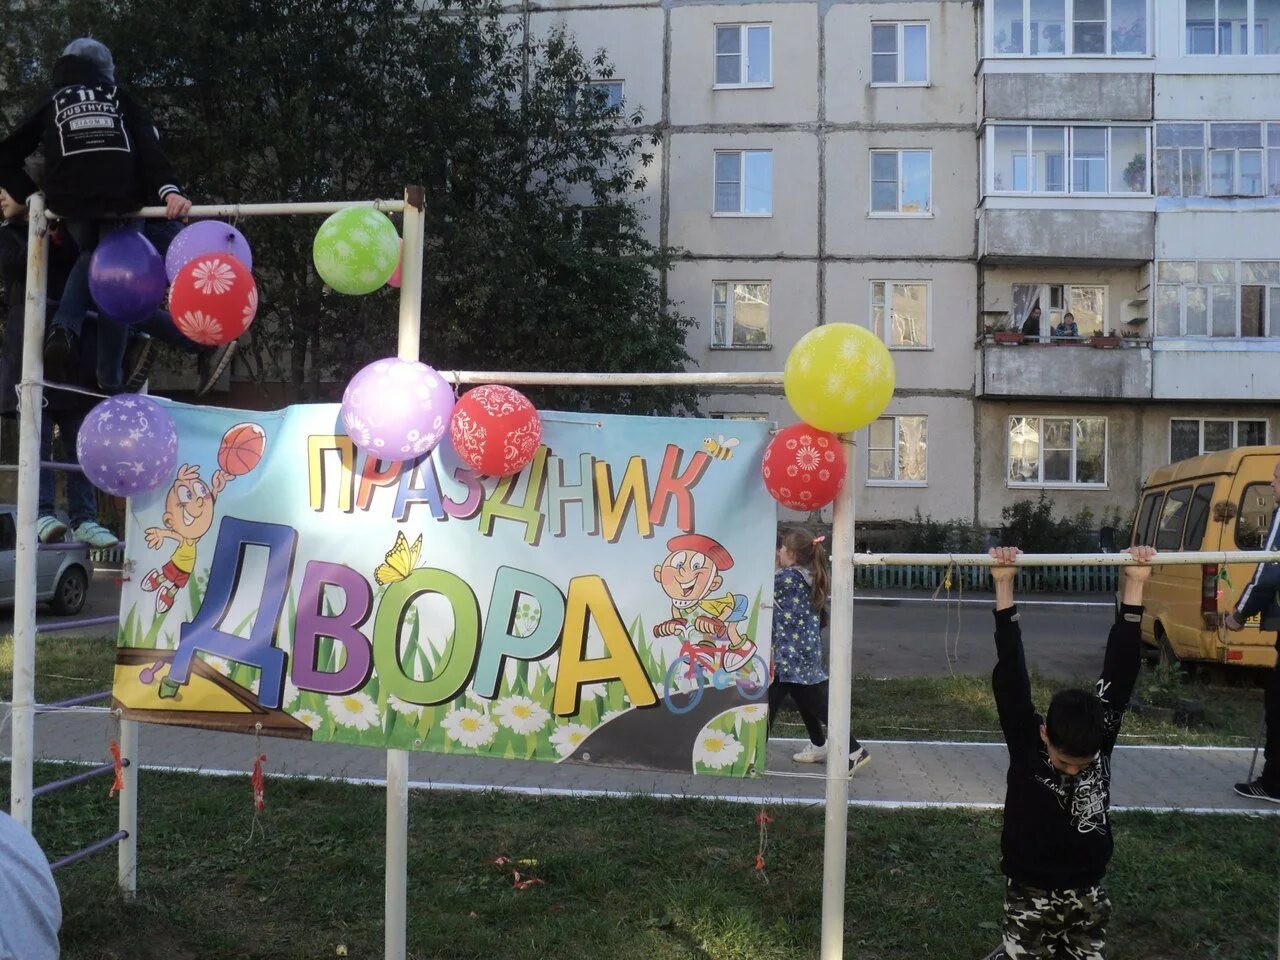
(703, 662)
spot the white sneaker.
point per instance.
(811, 754)
(858, 759)
(736, 657)
(49, 529)
(95, 535)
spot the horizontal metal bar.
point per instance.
(91, 849)
(71, 781)
(74, 624)
(44, 465)
(546, 379)
(263, 209)
(75, 701)
(1183, 558)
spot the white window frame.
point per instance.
(728, 316)
(900, 55)
(1272, 321)
(1250, 33)
(898, 214)
(1235, 430)
(1270, 185)
(742, 182)
(621, 84)
(886, 327)
(1068, 45)
(743, 55)
(1069, 158)
(1041, 483)
(897, 441)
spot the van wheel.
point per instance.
(1166, 658)
(68, 598)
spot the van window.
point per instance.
(8, 536)
(1198, 517)
(1173, 518)
(1257, 504)
(1142, 530)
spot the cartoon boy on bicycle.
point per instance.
(689, 575)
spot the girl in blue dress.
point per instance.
(800, 588)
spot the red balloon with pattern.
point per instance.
(803, 467)
(213, 299)
(495, 430)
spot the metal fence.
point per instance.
(1055, 579)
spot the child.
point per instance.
(103, 158)
(800, 588)
(1056, 840)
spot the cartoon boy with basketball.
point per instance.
(189, 510)
(689, 575)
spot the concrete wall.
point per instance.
(1220, 97)
(1060, 370)
(1227, 370)
(1082, 232)
(1066, 96)
(1228, 234)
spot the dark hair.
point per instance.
(1074, 723)
(810, 554)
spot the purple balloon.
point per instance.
(126, 276)
(202, 238)
(397, 409)
(127, 445)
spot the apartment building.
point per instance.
(939, 170)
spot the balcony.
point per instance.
(1216, 369)
(1054, 95)
(1018, 230)
(1072, 370)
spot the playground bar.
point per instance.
(543, 379)
(76, 701)
(89, 850)
(1181, 558)
(76, 624)
(71, 781)
(265, 209)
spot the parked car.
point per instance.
(63, 571)
(1219, 501)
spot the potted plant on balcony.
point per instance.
(1105, 341)
(1007, 333)
(1132, 338)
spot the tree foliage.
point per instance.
(296, 100)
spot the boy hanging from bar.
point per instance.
(1057, 841)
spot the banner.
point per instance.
(608, 605)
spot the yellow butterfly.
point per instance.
(401, 559)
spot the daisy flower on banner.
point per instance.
(568, 736)
(218, 663)
(471, 728)
(404, 707)
(751, 712)
(310, 718)
(717, 750)
(521, 714)
(355, 710)
(291, 694)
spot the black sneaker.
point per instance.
(212, 365)
(1258, 791)
(59, 350)
(997, 954)
(139, 357)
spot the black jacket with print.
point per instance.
(1057, 829)
(102, 155)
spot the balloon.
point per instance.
(803, 467)
(356, 250)
(395, 277)
(127, 445)
(203, 238)
(839, 377)
(397, 409)
(126, 276)
(214, 299)
(495, 430)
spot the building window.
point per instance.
(744, 55)
(1056, 160)
(1232, 27)
(1218, 298)
(1191, 438)
(899, 54)
(1067, 28)
(1086, 304)
(1224, 160)
(907, 305)
(609, 93)
(1057, 451)
(898, 451)
(741, 312)
(744, 183)
(902, 183)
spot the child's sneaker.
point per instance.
(152, 581)
(49, 529)
(736, 658)
(1257, 790)
(811, 754)
(858, 759)
(165, 597)
(95, 535)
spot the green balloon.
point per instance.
(356, 250)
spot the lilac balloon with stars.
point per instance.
(397, 409)
(128, 445)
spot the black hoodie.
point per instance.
(101, 152)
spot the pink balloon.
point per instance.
(395, 277)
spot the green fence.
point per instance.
(1043, 579)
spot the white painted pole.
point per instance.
(267, 209)
(30, 398)
(396, 910)
(1185, 558)
(550, 379)
(836, 838)
(127, 853)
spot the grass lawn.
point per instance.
(622, 879)
(900, 708)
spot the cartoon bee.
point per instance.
(719, 447)
(401, 559)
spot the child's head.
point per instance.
(10, 208)
(1073, 730)
(692, 568)
(799, 548)
(96, 53)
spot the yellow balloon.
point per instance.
(839, 377)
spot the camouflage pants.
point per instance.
(1055, 924)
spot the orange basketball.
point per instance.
(241, 449)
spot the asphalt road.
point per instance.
(892, 637)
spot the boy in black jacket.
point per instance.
(1057, 841)
(103, 159)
